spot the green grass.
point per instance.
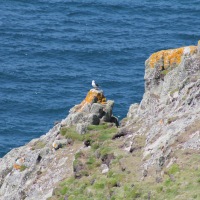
(22, 168)
(72, 134)
(38, 145)
(95, 132)
(180, 181)
(116, 185)
(164, 72)
(174, 169)
(64, 190)
(98, 128)
(91, 160)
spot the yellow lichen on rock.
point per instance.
(155, 57)
(169, 58)
(95, 94)
(16, 166)
(91, 96)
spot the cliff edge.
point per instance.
(33, 171)
(153, 154)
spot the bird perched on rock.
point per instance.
(95, 85)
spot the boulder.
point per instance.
(104, 169)
(93, 109)
(108, 111)
(97, 109)
(159, 64)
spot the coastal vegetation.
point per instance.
(124, 179)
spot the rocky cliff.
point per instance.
(153, 154)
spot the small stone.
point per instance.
(175, 95)
(104, 169)
(59, 143)
(39, 173)
(55, 145)
(56, 122)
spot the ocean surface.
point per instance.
(51, 50)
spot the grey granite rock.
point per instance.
(170, 105)
(81, 128)
(169, 109)
(97, 109)
(93, 119)
(32, 171)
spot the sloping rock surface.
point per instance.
(32, 171)
(169, 113)
(166, 121)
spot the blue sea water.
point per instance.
(50, 50)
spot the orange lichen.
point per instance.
(193, 49)
(168, 58)
(155, 57)
(16, 166)
(92, 94)
(95, 94)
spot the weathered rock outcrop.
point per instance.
(169, 113)
(158, 133)
(93, 110)
(32, 171)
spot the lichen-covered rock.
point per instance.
(93, 96)
(170, 108)
(92, 110)
(166, 122)
(32, 171)
(168, 59)
(161, 63)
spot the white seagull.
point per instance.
(94, 84)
